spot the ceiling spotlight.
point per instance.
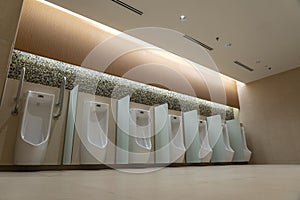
(182, 18)
(269, 68)
(228, 44)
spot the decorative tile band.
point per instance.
(45, 71)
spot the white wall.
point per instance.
(270, 111)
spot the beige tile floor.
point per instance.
(220, 182)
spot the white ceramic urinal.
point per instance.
(205, 152)
(229, 152)
(32, 142)
(140, 136)
(247, 152)
(94, 132)
(177, 148)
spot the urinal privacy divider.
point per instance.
(70, 126)
(238, 141)
(191, 134)
(161, 134)
(122, 139)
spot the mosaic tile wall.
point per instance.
(50, 72)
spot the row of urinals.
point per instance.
(134, 138)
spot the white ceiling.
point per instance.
(264, 30)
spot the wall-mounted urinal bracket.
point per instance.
(19, 92)
(61, 98)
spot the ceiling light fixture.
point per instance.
(228, 44)
(182, 18)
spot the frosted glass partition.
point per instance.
(69, 137)
(236, 140)
(192, 140)
(161, 131)
(123, 117)
(214, 124)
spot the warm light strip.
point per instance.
(237, 82)
(95, 23)
(103, 27)
(119, 33)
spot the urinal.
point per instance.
(177, 148)
(32, 142)
(247, 152)
(94, 132)
(205, 152)
(229, 152)
(140, 136)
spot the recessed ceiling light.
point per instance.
(228, 44)
(269, 68)
(182, 18)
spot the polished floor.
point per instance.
(219, 182)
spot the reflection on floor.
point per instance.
(220, 182)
